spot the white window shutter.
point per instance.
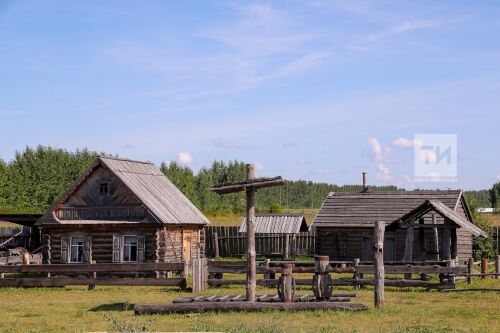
(116, 247)
(87, 249)
(141, 247)
(64, 249)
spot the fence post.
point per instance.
(321, 280)
(484, 268)
(378, 258)
(200, 274)
(497, 267)
(287, 246)
(216, 245)
(286, 283)
(92, 275)
(470, 266)
(357, 275)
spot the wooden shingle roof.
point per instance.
(277, 224)
(166, 203)
(362, 209)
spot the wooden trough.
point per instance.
(243, 306)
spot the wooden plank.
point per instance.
(100, 267)
(61, 282)
(244, 306)
(405, 269)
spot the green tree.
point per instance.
(37, 177)
(3, 183)
(276, 208)
(183, 178)
(481, 247)
(495, 195)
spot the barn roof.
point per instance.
(277, 224)
(156, 192)
(443, 210)
(362, 209)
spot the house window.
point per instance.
(76, 249)
(130, 248)
(104, 189)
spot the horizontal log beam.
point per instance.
(403, 269)
(62, 282)
(86, 268)
(244, 306)
(247, 184)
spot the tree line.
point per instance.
(36, 177)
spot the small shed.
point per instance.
(448, 248)
(277, 224)
(122, 211)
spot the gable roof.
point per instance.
(440, 208)
(166, 203)
(276, 224)
(362, 209)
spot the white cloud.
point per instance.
(384, 173)
(403, 27)
(378, 152)
(408, 179)
(185, 158)
(300, 162)
(406, 143)
(259, 166)
(498, 176)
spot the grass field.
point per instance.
(110, 309)
(494, 219)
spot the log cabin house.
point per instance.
(122, 211)
(344, 225)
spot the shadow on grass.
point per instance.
(113, 307)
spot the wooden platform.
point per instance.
(196, 307)
(338, 297)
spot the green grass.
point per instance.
(76, 309)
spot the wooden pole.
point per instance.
(287, 246)
(484, 267)
(421, 244)
(251, 269)
(378, 258)
(321, 281)
(409, 246)
(435, 239)
(286, 283)
(216, 245)
(446, 245)
(470, 268)
(497, 266)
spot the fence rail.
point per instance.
(216, 269)
(226, 241)
(87, 275)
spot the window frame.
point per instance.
(108, 186)
(122, 248)
(82, 249)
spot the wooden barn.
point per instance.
(344, 224)
(122, 211)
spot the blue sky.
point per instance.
(315, 90)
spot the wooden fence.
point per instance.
(496, 239)
(223, 241)
(104, 274)
(213, 275)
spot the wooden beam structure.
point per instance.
(250, 186)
